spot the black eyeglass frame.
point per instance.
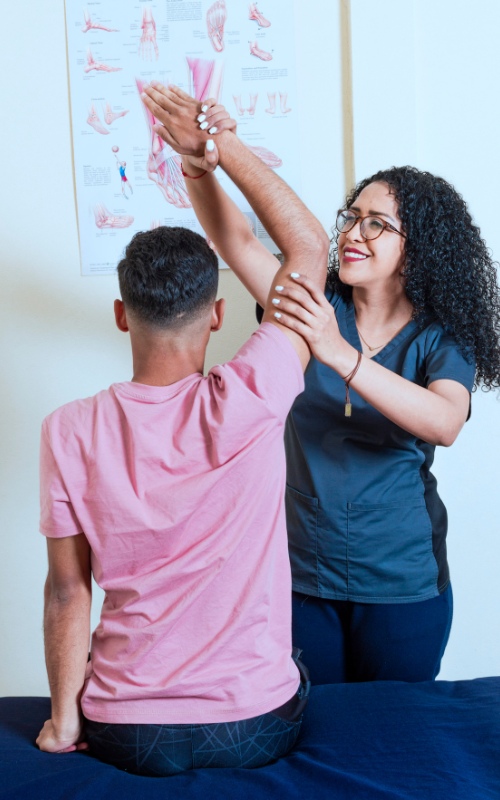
(356, 217)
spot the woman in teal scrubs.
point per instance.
(408, 326)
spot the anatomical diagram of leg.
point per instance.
(262, 54)
(164, 164)
(104, 219)
(92, 64)
(110, 116)
(254, 13)
(237, 103)
(94, 121)
(265, 155)
(216, 17)
(253, 103)
(89, 25)
(271, 96)
(147, 45)
(251, 107)
(205, 78)
(283, 104)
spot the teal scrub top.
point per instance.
(365, 520)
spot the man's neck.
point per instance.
(167, 362)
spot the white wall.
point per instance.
(436, 66)
(58, 338)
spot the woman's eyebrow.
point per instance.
(372, 213)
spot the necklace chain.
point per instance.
(377, 347)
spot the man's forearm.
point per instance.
(295, 230)
(67, 635)
(228, 228)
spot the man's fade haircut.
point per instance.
(168, 276)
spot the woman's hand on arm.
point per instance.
(435, 414)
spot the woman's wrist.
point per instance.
(343, 359)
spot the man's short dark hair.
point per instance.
(168, 276)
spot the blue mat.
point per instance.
(389, 740)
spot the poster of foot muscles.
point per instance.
(127, 178)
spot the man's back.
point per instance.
(179, 491)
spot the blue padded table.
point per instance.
(367, 741)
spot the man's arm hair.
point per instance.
(297, 233)
(68, 595)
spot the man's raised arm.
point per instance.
(297, 233)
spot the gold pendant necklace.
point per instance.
(379, 346)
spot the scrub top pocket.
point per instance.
(390, 553)
(302, 525)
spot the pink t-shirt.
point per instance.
(179, 491)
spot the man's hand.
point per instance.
(183, 122)
(52, 740)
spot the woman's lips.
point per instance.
(352, 256)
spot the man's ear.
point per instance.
(218, 310)
(121, 316)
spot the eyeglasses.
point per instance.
(370, 227)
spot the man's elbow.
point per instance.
(318, 246)
(64, 593)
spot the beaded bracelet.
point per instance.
(347, 380)
(193, 177)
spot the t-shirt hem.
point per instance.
(51, 534)
(156, 715)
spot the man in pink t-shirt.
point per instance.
(168, 489)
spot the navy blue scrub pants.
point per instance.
(345, 642)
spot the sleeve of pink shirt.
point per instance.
(57, 517)
(268, 368)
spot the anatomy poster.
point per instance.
(127, 178)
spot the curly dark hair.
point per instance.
(449, 272)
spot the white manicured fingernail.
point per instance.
(204, 108)
(203, 125)
(278, 288)
(294, 275)
(212, 130)
(277, 315)
(201, 117)
(210, 145)
(275, 300)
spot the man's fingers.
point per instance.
(82, 746)
(162, 97)
(179, 96)
(157, 111)
(165, 134)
